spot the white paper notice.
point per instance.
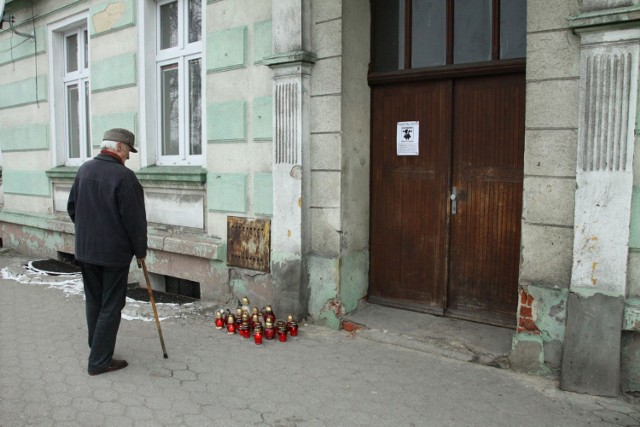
(407, 139)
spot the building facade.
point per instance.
(472, 159)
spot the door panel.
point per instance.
(488, 148)
(409, 195)
(458, 67)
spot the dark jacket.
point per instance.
(106, 203)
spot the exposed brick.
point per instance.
(523, 297)
(529, 324)
(529, 300)
(349, 326)
(525, 311)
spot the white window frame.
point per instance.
(181, 55)
(60, 81)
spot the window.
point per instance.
(69, 90)
(179, 82)
(75, 82)
(429, 33)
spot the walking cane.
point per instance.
(153, 304)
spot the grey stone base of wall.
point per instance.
(591, 354)
(630, 363)
(289, 291)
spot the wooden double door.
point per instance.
(445, 224)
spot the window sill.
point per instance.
(63, 172)
(173, 174)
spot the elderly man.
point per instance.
(106, 204)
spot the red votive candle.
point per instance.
(219, 322)
(231, 325)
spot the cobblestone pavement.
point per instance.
(322, 377)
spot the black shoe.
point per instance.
(114, 366)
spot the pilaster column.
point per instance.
(291, 63)
(609, 59)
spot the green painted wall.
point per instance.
(227, 192)
(323, 282)
(100, 124)
(28, 183)
(263, 118)
(263, 194)
(354, 279)
(25, 138)
(262, 41)
(113, 73)
(23, 92)
(551, 309)
(16, 48)
(227, 122)
(226, 50)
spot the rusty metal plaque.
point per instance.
(249, 243)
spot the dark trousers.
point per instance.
(105, 290)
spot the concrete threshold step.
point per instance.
(456, 339)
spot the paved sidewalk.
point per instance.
(322, 377)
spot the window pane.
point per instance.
(170, 110)
(428, 33)
(471, 31)
(169, 25)
(513, 29)
(86, 49)
(195, 20)
(86, 118)
(388, 37)
(72, 53)
(73, 127)
(195, 108)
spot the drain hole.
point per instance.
(183, 287)
(176, 290)
(53, 267)
(142, 294)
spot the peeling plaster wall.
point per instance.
(547, 328)
(354, 240)
(339, 259)
(36, 242)
(553, 65)
(551, 123)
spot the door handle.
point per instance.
(454, 200)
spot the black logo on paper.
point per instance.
(407, 133)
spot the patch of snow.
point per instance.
(144, 319)
(72, 284)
